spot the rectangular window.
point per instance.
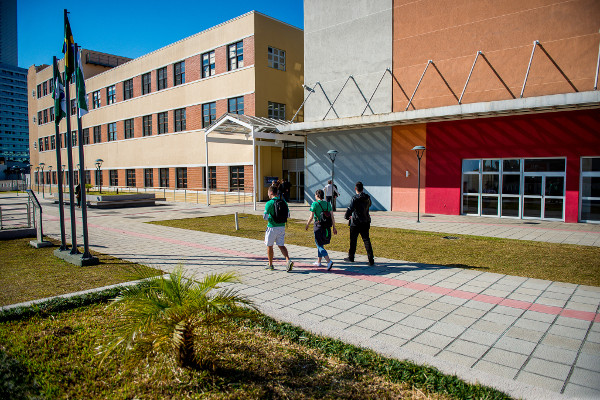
(276, 110)
(236, 105)
(163, 176)
(97, 134)
(209, 114)
(147, 125)
(45, 88)
(46, 143)
(73, 138)
(128, 89)
(51, 112)
(112, 131)
(130, 174)
(39, 90)
(110, 95)
(179, 73)
(73, 106)
(86, 136)
(236, 177)
(235, 58)
(128, 128)
(590, 189)
(45, 116)
(276, 58)
(96, 99)
(161, 78)
(40, 119)
(88, 177)
(181, 177)
(146, 83)
(179, 120)
(208, 64)
(212, 177)
(52, 143)
(148, 177)
(113, 177)
(163, 122)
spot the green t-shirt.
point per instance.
(318, 207)
(270, 211)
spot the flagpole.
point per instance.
(69, 146)
(61, 204)
(86, 245)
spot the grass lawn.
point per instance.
(28, 274)
(557, 262)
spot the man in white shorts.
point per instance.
(275, 233)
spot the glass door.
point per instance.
(544, 188)
(590, 189)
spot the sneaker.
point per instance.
(372, 261)
(317, 264)
(290, 265)
(271, 267)
(329, 265)
(348, 259)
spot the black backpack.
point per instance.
(325, 220)
(280, 211)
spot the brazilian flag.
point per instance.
(60, 102)
(69, 51)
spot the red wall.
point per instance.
(570, 134)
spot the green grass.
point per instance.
(551, 261)
(262, 358)
(27, 273)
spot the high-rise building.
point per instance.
(8, 32)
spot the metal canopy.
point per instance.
(245, 124)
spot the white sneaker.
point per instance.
(317, 264)
(290, 265)
(329, 265)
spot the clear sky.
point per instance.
(130, 28)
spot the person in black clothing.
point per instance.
(286, 190)
(360, 222)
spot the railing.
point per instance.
(15, 212)
(13, 185)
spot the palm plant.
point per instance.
(173, 313)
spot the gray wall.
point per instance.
(364, 155)
(342, 38)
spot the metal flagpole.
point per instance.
(61, 203)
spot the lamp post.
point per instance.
(98, 163)
(43, 180)
(37, 174)
(420, 150)
(332, 154)
(63, 177)
(50, 178)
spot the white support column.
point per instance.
(260, 185)
(206, 172)
(254, 169)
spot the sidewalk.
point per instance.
(533, 339)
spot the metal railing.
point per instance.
(16, 212)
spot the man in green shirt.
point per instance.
(275, 232)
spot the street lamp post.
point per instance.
(37, 175)
(43, 180)
(332, 154)
(420, 150)
(98, 163)
(63, 177)
(50, 179)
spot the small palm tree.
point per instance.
(172, 313)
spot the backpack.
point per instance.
(280, 211)
(325, 220)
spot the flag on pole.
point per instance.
(60, 102)
(69, 51)
(82, 100)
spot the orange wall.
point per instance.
(404, 189)
(451, 33)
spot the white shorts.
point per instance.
(275, 235)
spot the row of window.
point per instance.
(45, 88)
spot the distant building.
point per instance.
(149, 117)
(8, 33)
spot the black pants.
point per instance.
(363, 230)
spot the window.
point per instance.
(128, 89)
(86, 136)
(97, 134)
(179, 120)
(276, 110)
(73, 138)
(236, 105)
(112, 131)
(147, 125)
(146, 83)
(40, 120)
(39, 90)
(209, 114)
(73, 106)
(212, 177)
(236, 177)
(88, 177)
(130, 174)
(96, 99)
(208, 64)
(590, 189)
(45, 116)
(161, 78)
(52, 143)
(181, 174)
(276, 58)
(51, 86)
(46, 143)
(163, 122)
(51, 112)
(110, 95)
(113, 177)
(128, 128)
(45, 88)
(163, 176)
(99, 177)
(179, 73)
(148, 177)
(235, 56)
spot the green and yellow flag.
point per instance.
(69, 51)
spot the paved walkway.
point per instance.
(531, 338)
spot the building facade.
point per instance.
(148, 117)
(503, 95)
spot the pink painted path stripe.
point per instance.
(518, 304)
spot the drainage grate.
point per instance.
(451, 237)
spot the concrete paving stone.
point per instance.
(371, 292)
(389, 339)
(375, 324)
(595, 326)
(429, 313)
(338, 293)
(392, 296)
(452, 300)
(556, 354)
(470, 312)
(573, 323)
(539, 316)
(561, 342)
(360, 331)
(434, 339)
(303, 294)
(572, 333)
(525, 334)
(306, 305)
(285, 300)
(364, 309)
(533, 325)
(562, 287)
(417, 322)
(496, 292)
(380, 303)
(285, 290)
(522, 297)
(586, 378)
(589, 361)
(335, 324)
(526, 291)
(358, 298)
(320, 289)
(506, 358)
(456, 358)
(590, 347)
(402, 331)
(449, 284)
(326, 311)
(444, 307)
(555, 295)
(391, 316)
(323, 299)
(480, 337)
(501, 319)
(554, 385)
(471, 289)
(581, 392)
(421, 348)
(460, 320)
(251, 291)
(495, 369)
(416, 301)
(536, 284)
(403, 308)
(479, 305)
(593, 336)
(265, 296)
(490, 327)
(349, 317)
(310, 316)
(550, 302)
(548, 368)
(467, 348)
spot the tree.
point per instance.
(174, 313)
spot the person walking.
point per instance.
(331, 193)
(78, 195)
(276, 213)
(320, 211)
(360, 222)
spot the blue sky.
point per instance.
(130, 28)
